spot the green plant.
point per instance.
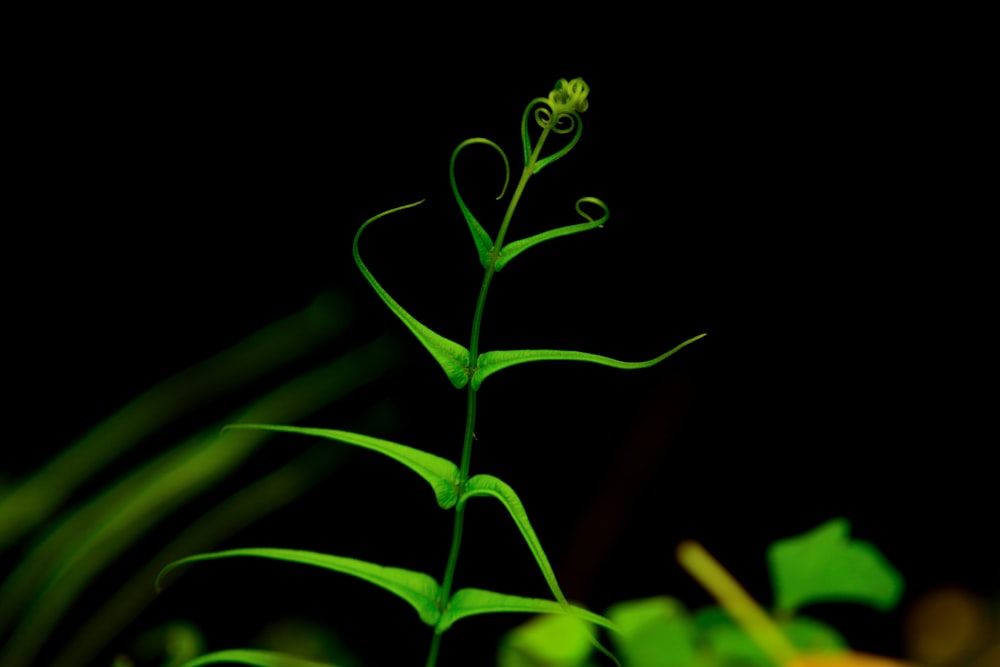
(467, 368)
(85, 515)
(822, 565)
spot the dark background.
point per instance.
(783, 192)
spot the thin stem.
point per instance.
(470, 413)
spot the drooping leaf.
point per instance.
(547, 641)
(655, 632)
(488, 485)
(453, 357)
(825, 565)
(418, 589)
(491, 362)
(484, 244)
(439, 472)
(515, 248)
(473, 601)
(244, 656)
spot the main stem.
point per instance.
(470, 412)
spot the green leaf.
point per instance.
(473, 601)
(546, 641)
(439, 472)
(453, 358)
(255, 657)
(825, 565)
(576, 127)
(728, 641)
(484, 244)
(491, 362)
(417, 588)
(655, 632)
(488, 485)
(512, 250)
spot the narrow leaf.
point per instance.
(491, 362)
(825, 565)
(473, 601)
(254, 657)
(488, 485)
(439, 472)
(453, 358)
(484, 244)
(512, 250)
(417, 588)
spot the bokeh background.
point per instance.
(783, 193)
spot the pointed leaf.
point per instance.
(417, 588)
(439, 472)
(825, 565)
(473, 601)
(488, 485)
(484, 244)
(512, 250)
(243, 656)
(452, 357)
(491, 362)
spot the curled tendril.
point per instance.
(569, 96)
(544, 118)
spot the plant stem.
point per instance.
(470, 413)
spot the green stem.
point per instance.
(470, 413)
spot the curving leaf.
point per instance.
(488, 485)
(417, 588)
(512, 250)
(473, 601)
(439, 472)
(491, 362)
(453, 358)
(484, 244)
(244, 656)
(825, 565)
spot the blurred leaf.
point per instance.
(825, 565)
(546, 641)
(254, 657)
(655, 632)
(26, 505)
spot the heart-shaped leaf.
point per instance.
(825, 565)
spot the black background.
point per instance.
(783, 191)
